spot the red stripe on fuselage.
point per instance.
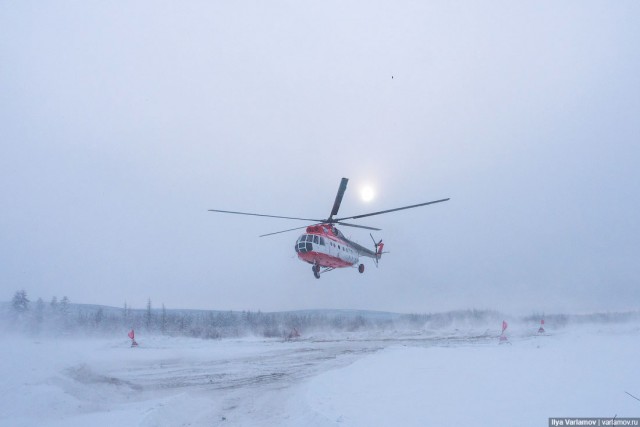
(323, 260)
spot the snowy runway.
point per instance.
(354, 380)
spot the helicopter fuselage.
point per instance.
(325, 246)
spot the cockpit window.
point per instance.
(316, 240)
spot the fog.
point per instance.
(123, 123)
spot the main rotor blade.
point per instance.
(283, 231)
(268, 216)
(338, 201)
(359, 226)
(392, 210)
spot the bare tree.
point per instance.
(20, 302)
(163, 320)
(64, 306)
(54, 303)
(147, 316)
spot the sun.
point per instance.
(367, 194)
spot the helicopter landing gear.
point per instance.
(316, 274)
(361, 268)
(316, 270)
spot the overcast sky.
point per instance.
(122, 122)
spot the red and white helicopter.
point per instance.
(324, 246)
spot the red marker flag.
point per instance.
(131, 334)
(504, 326)
(542, 322)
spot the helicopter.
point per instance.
(324, 246)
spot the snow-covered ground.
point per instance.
(412, 379)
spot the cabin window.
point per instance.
(322, 241)
(316, 240)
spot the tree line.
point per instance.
(62, 317)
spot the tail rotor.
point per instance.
(378, 246)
